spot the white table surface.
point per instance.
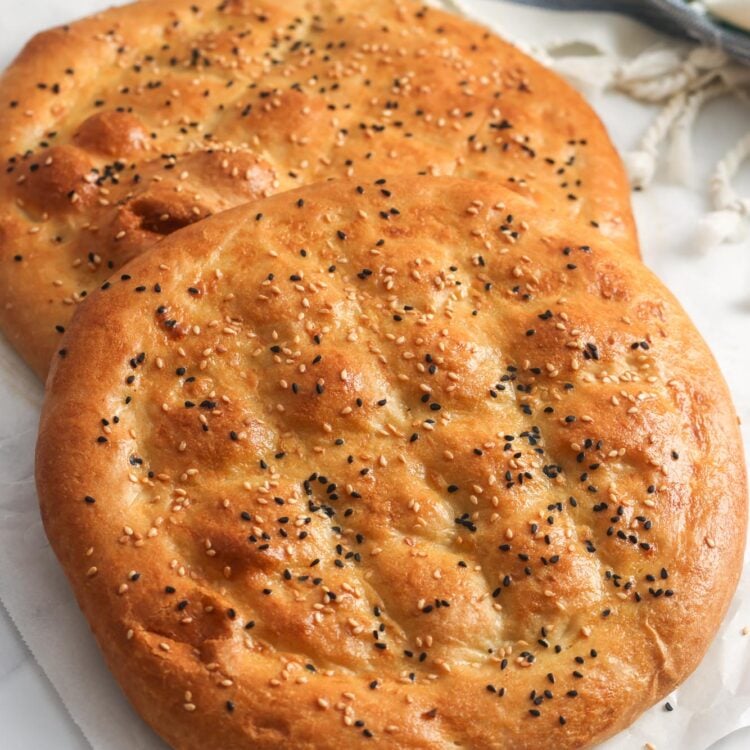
(32, 717)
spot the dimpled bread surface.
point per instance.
(397, 462)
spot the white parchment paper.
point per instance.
(715, 289)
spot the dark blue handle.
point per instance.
(672, 16)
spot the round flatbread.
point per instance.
(394, 462)
(120, 128)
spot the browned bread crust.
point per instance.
(122, 127)
(395, 459)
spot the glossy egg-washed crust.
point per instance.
(395, 459)
(125, 126)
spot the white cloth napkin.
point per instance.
(715, 289)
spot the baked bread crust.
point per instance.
(389, 485)
(119, 128)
